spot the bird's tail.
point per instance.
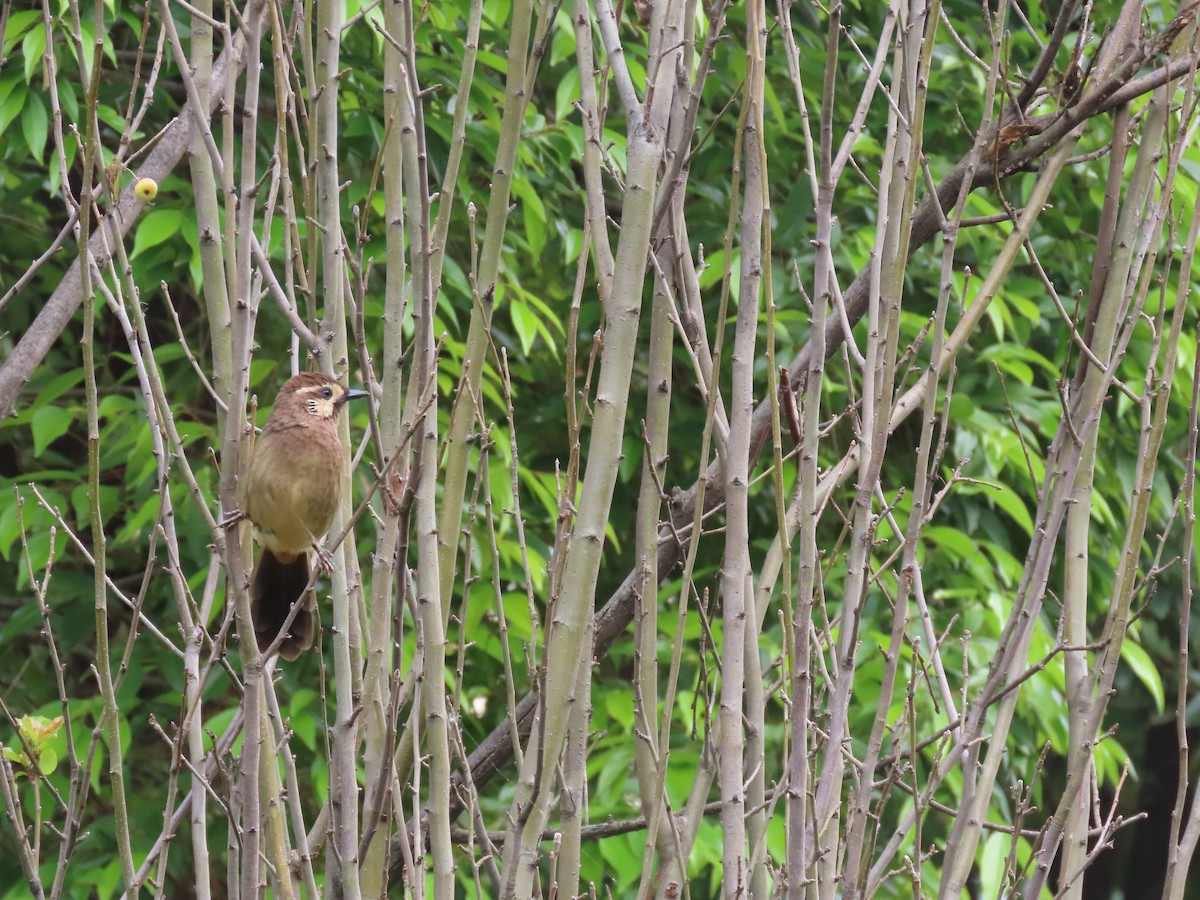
(274, 587)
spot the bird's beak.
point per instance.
(351, 394)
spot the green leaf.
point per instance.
(619, 705)
(534, 215)
(949, 540)
(135, 526)
(155, 227)
(69, 101)
(7, 85)
(49, 424)
(107, 880)
(535, 229)
(564, 97)
(1112, 760)
(10, 529)
(11, 107)
(1009, 502)
(35, 125)
(24, 618)
(32, 48)
(1143, 667)
(39, 729)
(18, 23)
(48, 760)
(992, 864)
(572, 239)
(58, 386)
(525, 323)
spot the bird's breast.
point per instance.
(292, 490)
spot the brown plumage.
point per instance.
(290, 493)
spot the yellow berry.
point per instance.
(146, 189)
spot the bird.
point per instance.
(290, 493)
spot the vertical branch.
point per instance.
(10, 796)
(163, 430)
(574, 793)
(76, 797)
(896, 187)
(1115, 246)
(276, 849)
(682, 830)
(343, 864)
(1009, 665)
(649, 505)
(208, 227)
(573, 800)
(249, 782)
(917, 49)
(591, 113)
(303, 853)
(1076, 538)
(110, 718)
(574, 609)
(458, 451)
(1013, 647)
(243, 869)
(216, 298)
(1182, 845)
(432, 606)
(462, 108)
(1138, 239)
(754, 756)
(797, 811)
(922, 503)
(1184, 835)
(380, 723)
(737, 587)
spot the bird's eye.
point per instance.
(327, 393)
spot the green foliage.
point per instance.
(33, 747)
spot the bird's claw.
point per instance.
(322, 560)
(232, 518)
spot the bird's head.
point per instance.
(316, 394)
